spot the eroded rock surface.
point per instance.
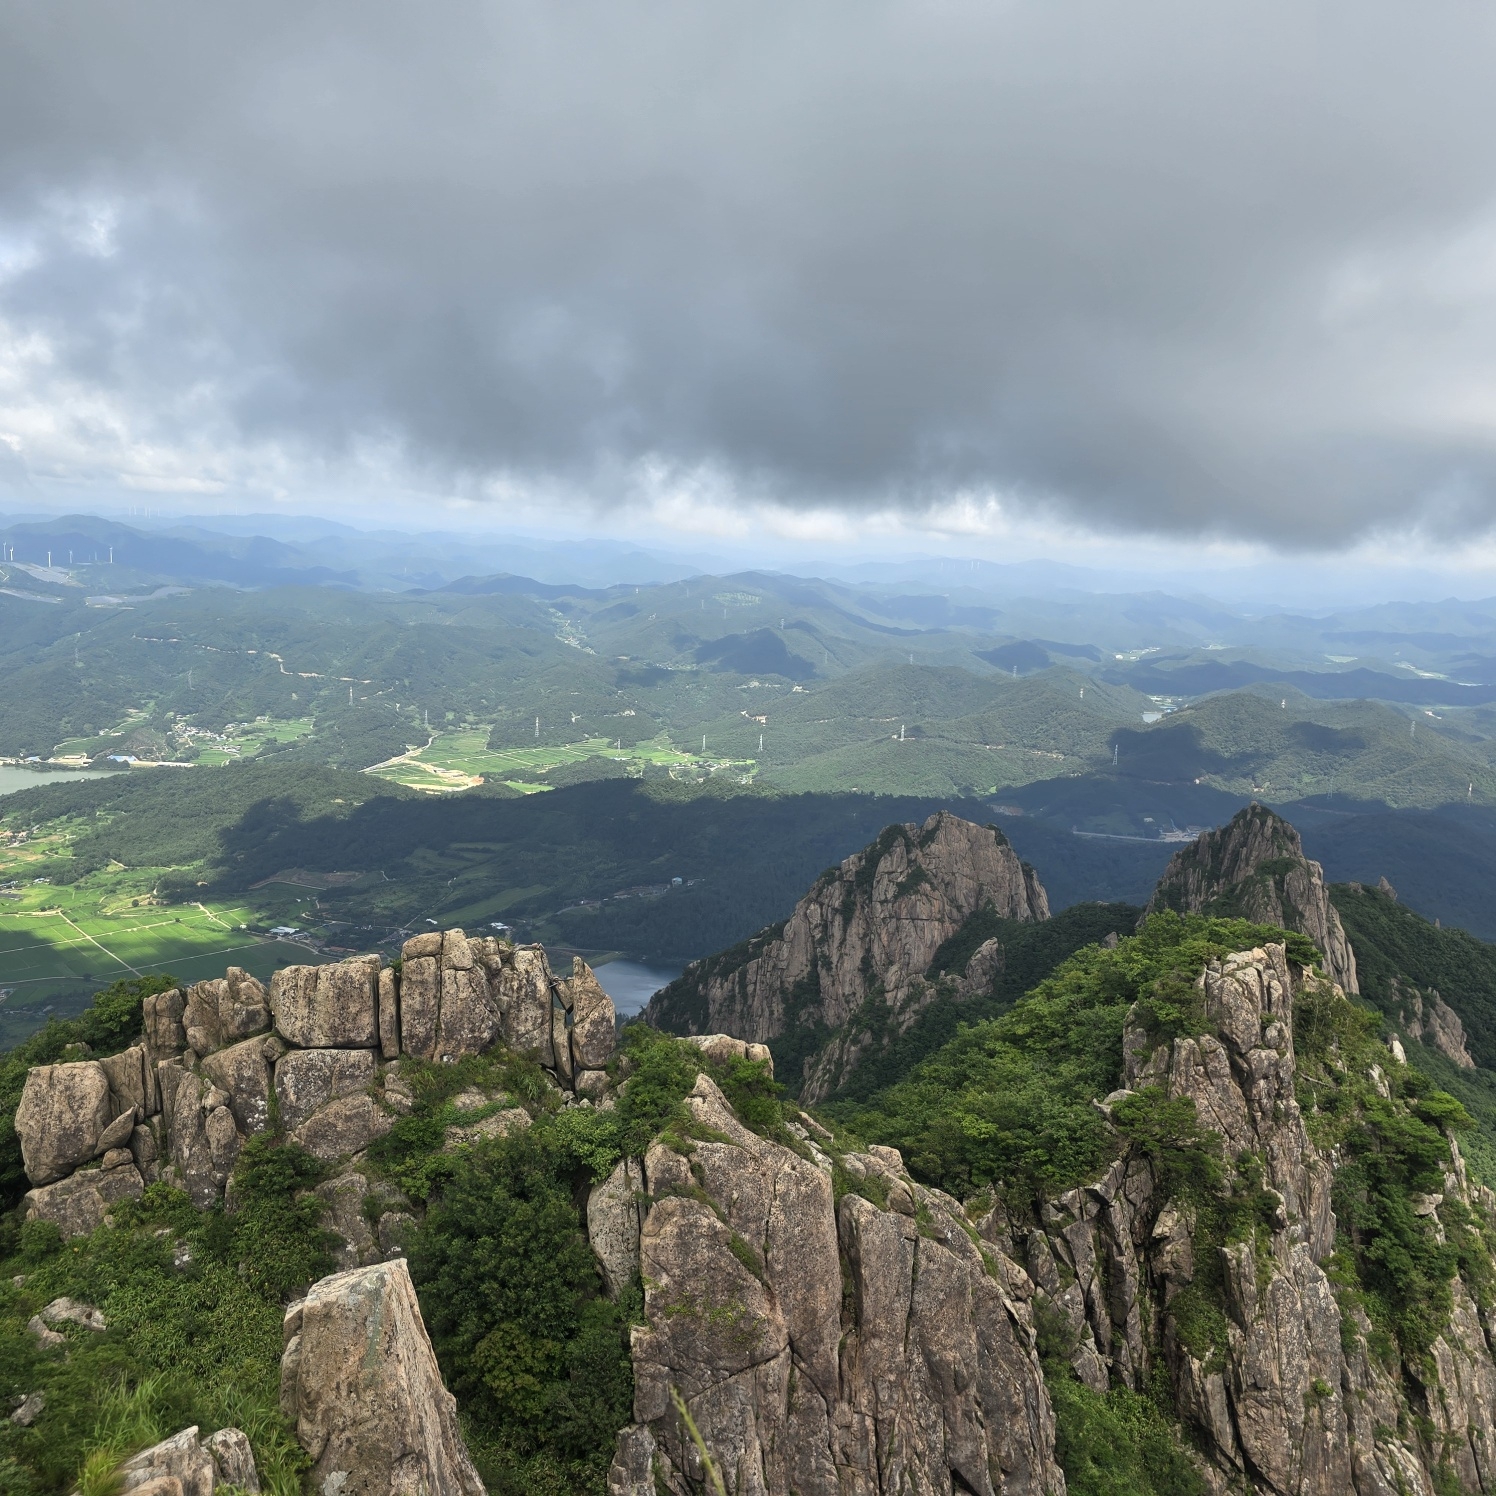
(360, 1381)
(922, 1374)
(209, 1073)
(869, 928)
(1254, 868)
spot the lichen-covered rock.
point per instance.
(306, 1079)
(242, 1073)
(594, 1026)
(225, 1010)
(195, 1467)
(328, 1007)
(420, 1004)
(925, 1381)
(81, 1202)
(63, 1113)
(187, 1100)
(468, 1021)
(525, 1002)
(342, 1128)
(361, 1384)
(614, 1216)
(165, 1033)
(132, 1081)
(343, 1198)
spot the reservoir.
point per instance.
(13, 779)
(631, 984)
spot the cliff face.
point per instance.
(872, 1345)
(886, 1341)
(1254, 867)
(867, 931)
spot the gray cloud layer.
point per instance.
(1225, 268)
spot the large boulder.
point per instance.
(360, 1381)
(614, 1219)
(307, 1079)
(192, 1466)
(525, 1002)
(187, 1102)
(328, 1007)
(63, 1114)
(165, 1032)
(242, 1073)
(420, 1003)
(132, 1081)
(343, 1128)
(225, 1010)
(594, 1029)
(79, 1204)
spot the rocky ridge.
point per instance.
(866, 933)
(869, 1344)
(1254, 868)
(912, 1365)
(318, 1054)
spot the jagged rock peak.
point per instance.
(870, 1345)
(870, 927)
(1254, 867)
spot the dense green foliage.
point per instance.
(1399, 953)
(109, 1025)
(1031, 951)
(194, 1302)
(511, 1296)
(509, 1287)
(1007, 1103)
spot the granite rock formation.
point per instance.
(360, 1381)
(319, 1053)
(1254, 868)
(825, 1348)
(185, 1465)
(866, 933)
(1429, 1019)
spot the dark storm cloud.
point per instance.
(1225, 268)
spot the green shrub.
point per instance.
(512, 1298)
(1007, 1102)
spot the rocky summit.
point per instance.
(1254, 867)
(318, 1055)
(859, 946)
(1225, 1237)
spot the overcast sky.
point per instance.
(1057, 268)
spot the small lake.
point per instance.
(13, 779)
(631, 984)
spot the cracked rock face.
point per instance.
(1293, 1402)
(870, 927)
(1254, 867)
(63, 1112)
(824, 1350)
(209, 1074)
(360, 1381)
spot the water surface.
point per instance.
(631, 984)
(13, 779)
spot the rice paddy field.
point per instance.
(461, 760)
(59, 945)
